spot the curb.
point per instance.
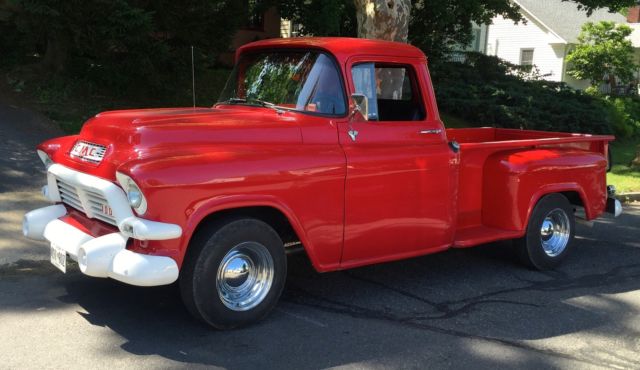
(629, 197)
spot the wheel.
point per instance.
(234, 273)
(550, 233)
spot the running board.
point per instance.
(476, 235)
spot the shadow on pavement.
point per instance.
(455, 307)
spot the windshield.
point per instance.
(305, 81)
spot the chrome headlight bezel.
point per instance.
(44, 157)
(135, 196)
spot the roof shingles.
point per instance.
(564, 18)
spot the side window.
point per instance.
(390, 91)
(322, 91)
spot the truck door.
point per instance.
(399, 185)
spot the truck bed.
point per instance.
(507, 138)
(477, 145)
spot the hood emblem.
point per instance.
(88, 151)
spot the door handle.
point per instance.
(434, 131)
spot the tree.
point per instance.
(383, 19)
(435, 26)
(321, 18)
(603, 50)
(111, 42)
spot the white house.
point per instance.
(550, 31)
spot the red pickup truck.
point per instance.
(332, 146)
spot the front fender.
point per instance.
(234, 202)
(307, 186)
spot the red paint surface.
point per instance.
(391, 194)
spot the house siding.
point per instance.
(505, 40)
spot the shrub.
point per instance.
(625, 115)
(492, 92)
(119, 47)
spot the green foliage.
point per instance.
(603, 50)
(121, 46)
(490, 92)
(70, 101)
(624, 113)
(321, 18)
(613, 5)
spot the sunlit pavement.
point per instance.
(476, 308)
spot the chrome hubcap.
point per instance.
(245, 276)
(554, 232)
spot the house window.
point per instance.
(477, 33)
(526, 57)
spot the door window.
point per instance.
(390, 90)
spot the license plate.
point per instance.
(59, 258)
(89, 152)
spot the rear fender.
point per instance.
(514, 181)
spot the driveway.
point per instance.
(21, 177)
(474, 308)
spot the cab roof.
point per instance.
(341, 47)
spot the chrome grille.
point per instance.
(69, 195)
(92, 203)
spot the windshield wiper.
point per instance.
(235, 101)
(262, 103)
(259, 102)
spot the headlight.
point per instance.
(44, 157)
(134, 194)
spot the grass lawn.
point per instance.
(624, 178)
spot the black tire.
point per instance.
(531, 248)
(199, 274)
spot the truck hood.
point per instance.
(145, 133)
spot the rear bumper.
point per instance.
(614, 207)
(105, 256)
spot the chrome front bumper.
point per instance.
(614, 207)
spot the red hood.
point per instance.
(143, 133)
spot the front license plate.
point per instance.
(59, 258)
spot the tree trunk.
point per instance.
(383, 19)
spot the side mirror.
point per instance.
(360, 104)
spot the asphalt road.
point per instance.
(474, 308)
(21, 177)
